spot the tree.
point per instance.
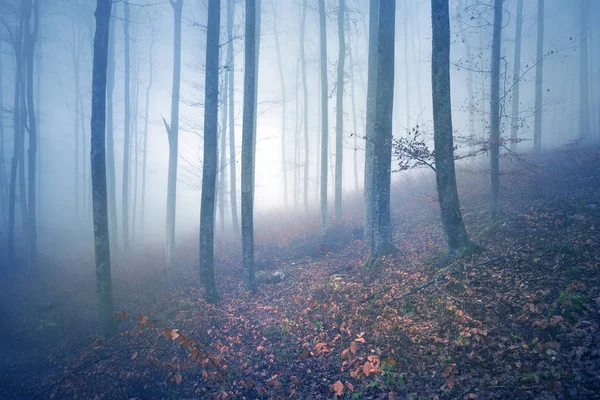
(324, 114)
(370, 129)
(495, 109)
(126, 139)
(3, 189)
(231, 100)
(145, 138)
(381, 244)
(584, 92)
(98, 167)
(339, 119)
(305, 104)
(454, 227)
(30, 37)
(539, 76)
(110, 141)
(222, 159)
(248, 132)
(283, 107)
(173, 133)
(514, 129)
(209, 171)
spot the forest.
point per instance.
(299, 199)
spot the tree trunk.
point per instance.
(514, 129)
(209, 170)
(495, 110)
(76, 58)
(370, 120)
(305, 106)
(134, 131)
(3, 188)
(222, 184)
(231, 99)
(324, 114)
(127, 139)
(454, 227)
(98, 167)
(30, 40)
(173, 133)
(354, 121)
(539, 76)
(145, 138)
(249, 119)
(339, 118)
(382, 138)
(110, 142)
(584, 91)
(283, 109)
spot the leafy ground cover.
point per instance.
(519, 319)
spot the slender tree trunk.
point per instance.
(209, 170)
(249, 120)
(23, 127)
(98, 167)
(495, 110)
(469, 65)
(584, 91)
(324, 114)
(76, 56)
(283, 110)
(30, 40)
(110, 142)
(406, 68)
(135, 138)
(297, 140)
(84, 176)
(354, 121)
(539, 79)
(257, 13)
(127, 139)
(339, 118)
(305, 107)
(514, 129)
(231, 99)
(454, 227)
(382, 139)
(370, 120)
(3, 186)
(222, 184)
(38, 97)
(145, 145)
(173, 133)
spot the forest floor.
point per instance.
(520, 319)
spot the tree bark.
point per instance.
(454, 228)
(354, 120)
(382, 138)
(173, 134)
(127, 139)
(209, 171)
(231, 99)
(3, 188)
(305, 106)
(370, 120)
(145, 138)
(514, 128)
(283, 109)
(222, 159)
(110, 142)
(324, 114)
(495, 110)
(249, 119)
(539, 79)
(98, 167)
(339, 118)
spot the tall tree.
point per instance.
(126, 139)
(339, 116)
(381, 244)
(283, 106)
(3, 188)
(539, 79)
(98, 167)
(305, 104)
(514, 128)
(495, 109)
(584, 91)
(248, 132)
(31, 34)
(454, 227)
(173, 133)
(110, 142)
(354, 122)
(231, 100)
(209, 170)
(370, 120)
(222, 159)
(145, 138)
(324, 114)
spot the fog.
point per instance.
(286, 216)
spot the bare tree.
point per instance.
(370, 122)
(339, 119)
(127, 139)
(231, 100)
(495, 109)
(283, 105)
(248, 133)
(539, 79)
(98, 167)
(305, 104)
(584, 92)
(514, 129)
(324, 114)
(110, 142)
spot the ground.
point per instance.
(519, 319)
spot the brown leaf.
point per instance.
(134, 355)
(338, 388)
(349, 386)
(175, 334)
(353, 347)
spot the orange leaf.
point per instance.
(124, 315)
(353, 347)
(195, 352)
(349, 386)
(143, 319)
(134, 355)
(367, 368)
(360, 340)
(175, 334)
(338, 388)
